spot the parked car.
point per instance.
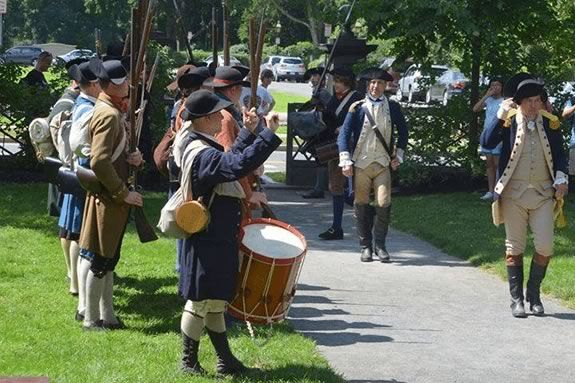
(416, 81)
(74, 54)
(21, 55)
(269, 62)
(288, 68)
(451, 82)
(233, 60)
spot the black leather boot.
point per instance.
(227, 364)
(515, 277)
(383, 215)
(533, 293)
(190, 363)
(364, 217)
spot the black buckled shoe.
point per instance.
(366, 254)
(313, 194)
(331, 234)
(382, 254)
(119, 325)
(79, 317)
(518, 309)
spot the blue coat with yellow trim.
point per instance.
(210, 263)
(354, 123)
(506, 130)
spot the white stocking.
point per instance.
(83, 268)
(74, 255)
(94, 289)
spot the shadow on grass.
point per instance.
(159, 310)
(295, 373)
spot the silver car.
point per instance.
(21, 55)
(415, 81)
(288, 68)
(450, 83)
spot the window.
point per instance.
(275, 60)
(293, 61)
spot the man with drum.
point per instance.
(210, 264)
(532, 176)
(366, 151)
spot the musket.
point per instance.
(225, 33)
(182, 30)
(256, 48)
(214, 38)
(331, 54)
(141, 26)
(98, 38)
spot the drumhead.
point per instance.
(273, 241)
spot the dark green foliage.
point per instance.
(20, 104)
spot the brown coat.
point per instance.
(105, 216)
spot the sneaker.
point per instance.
(487, 196)
(331, 234)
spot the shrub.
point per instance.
(303, 49)
(20, 104)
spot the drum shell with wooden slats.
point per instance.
(267, 282)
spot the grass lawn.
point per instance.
(283, 99)
(39, 336)
(460, 224)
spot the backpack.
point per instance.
(41, 138)
(46, 135)
(60, 127)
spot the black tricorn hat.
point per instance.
(82, 73)
(244, 70)
(202, 103)
(193, 78)
(173, 86)
(312, 71)
(528, 88)
(511, 85)
(226, 76)
(343, 72)
(111, 70)
(375, 74)
(76, 61)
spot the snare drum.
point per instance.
(271, 257)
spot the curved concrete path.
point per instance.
(426, 317)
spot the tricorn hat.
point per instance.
(244, 70)
(342, 72)
(226, 76)
(511, 85)
(82, 73)
(111, 70)
(193, 78)
(375, 74)
(202, 103)
(528, 88)
(173, 86)
(312, 71)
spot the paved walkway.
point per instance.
(426, 317)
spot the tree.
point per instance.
(496, 36)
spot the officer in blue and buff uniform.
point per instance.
(532, 172)
(210, 264)
(370, 161)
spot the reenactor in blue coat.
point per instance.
(532, 173)
(367, 151)
(210, 264)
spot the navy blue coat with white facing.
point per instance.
(210, 263)
(353, 125)
(499, 132)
